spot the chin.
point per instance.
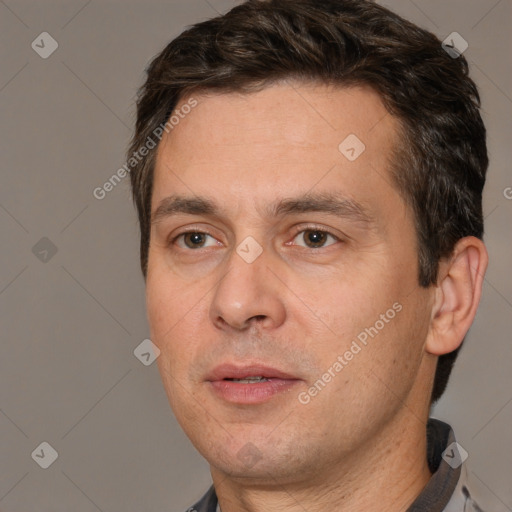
(261, 460)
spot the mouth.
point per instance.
(253, 384)
(250, 380)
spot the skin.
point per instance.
(359, 444)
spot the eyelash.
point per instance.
(297, 231)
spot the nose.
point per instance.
(249, 293)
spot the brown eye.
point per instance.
(194, 240)
(314, 238)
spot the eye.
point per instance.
(314, 238)
(194, 240)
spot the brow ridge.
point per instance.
(324, 202)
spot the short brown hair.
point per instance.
(440, 164)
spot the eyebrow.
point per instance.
(324, 202)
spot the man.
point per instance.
(308, 178)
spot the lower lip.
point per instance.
(255, 393)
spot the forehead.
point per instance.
(299, 113)
(292, 137)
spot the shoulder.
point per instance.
(464, 497)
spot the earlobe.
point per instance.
(457, 295)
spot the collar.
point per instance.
(436, 495)
(441, 486)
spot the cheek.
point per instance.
(166, 310)
(380, 339)
(167, 297)
(394, 355)
(167, 317)
(160, 309)
(176, 319)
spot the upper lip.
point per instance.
(231, 371)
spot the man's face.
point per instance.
(285, 293)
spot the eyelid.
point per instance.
(314, 227)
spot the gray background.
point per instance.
(71, 321)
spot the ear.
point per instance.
(457, 295)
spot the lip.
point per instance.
(251, 393)
(231, 371)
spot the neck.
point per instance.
(386, 473)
